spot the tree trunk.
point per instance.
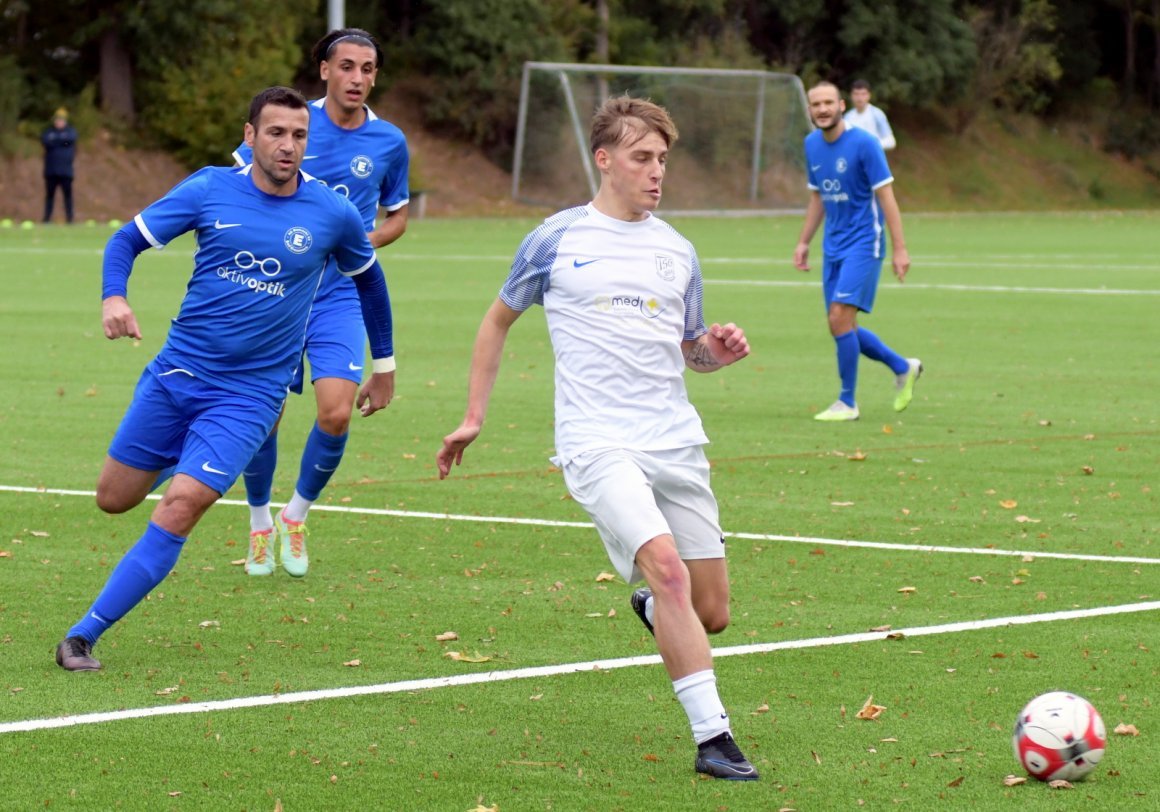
(116, 80)
(602, 53)
(1129, 48)
(1155, 83)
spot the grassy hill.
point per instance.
(996, 164)
(1015, 164)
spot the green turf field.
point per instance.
(1007, 524)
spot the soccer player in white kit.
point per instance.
(622, 292)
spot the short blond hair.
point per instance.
(622, 117)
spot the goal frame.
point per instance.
(579, 123)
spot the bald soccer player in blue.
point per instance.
(851, 188)
(363, 158)
(210, 397)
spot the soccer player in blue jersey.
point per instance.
(851, 188)
(202, 407)
(365, 159)
(622, 294)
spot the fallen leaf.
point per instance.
(353, 663)
(1087, 469)
(595, 614)
(842, 504)
(174, 794)
(167, 691)
(976, 579)
(650, 757)
(40, 534)
(1008, 504)
(817, 758)
(957, 781)
(611, 613)
(239, 562)
(885, 628)
(208, 624)
(1027, 520)
(5, 554)
(1014, 780)
(857, 456)
(1060, 784)
(460, 657)
(907, 590)
(870, 711)
(408, 456)
(605, 576)
(536, 697)
(895, 636)
(1126, 730)
(888, 429)
(762, 708)
(443, 638)
(1045, 422)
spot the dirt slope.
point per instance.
(113, 182)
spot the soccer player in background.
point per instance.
(851, 188)
(209, 398)
(622, 291)
(363, 158)
(867, 117)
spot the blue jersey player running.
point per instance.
(851, 188)
(211, 396)
(363, 158)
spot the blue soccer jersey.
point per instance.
(257, 267)
(368, 165)
(846, 173)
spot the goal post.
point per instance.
(740, 145)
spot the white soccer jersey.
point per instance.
(619, 298)
(872, 120)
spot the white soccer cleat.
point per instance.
(838, 412)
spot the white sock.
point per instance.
(698, 695)
(297, 508)
(260, 517)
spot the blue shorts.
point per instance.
(208, 432)
(335, 345)
(852, 281)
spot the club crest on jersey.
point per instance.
(841, 165)
(361, 166)
(666, 267)
(298, 240)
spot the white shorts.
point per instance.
(635, 496)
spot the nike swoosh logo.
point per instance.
(318, 467)
(843, 295)
(309, 157)
(815, 168)
(578, 264)
(205, 466)
(352, 367)
(218, 224)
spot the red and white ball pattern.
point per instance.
(1059, 736)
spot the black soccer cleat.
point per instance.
(720, 757)
(639, 600)
(76, 654)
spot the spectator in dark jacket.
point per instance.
(60, 148)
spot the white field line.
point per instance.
(557, 670)
(787, 283)
(454, 517)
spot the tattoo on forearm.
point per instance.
(699, 357)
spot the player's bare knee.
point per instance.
(112, 502)
(715, 619)
(334, 422)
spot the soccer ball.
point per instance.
(1059, 736)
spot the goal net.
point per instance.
(740, 146)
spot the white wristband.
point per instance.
(383, 365)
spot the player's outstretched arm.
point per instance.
(893, 216)
(122, 249)
(485, 359)
(814, 215)
(721, 346)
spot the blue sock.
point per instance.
(848, 352)
(320, 460)
(143, 567)
(259, 473)
(163, 476)
(875, 350)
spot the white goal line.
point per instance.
(458, 517)
(489, 677)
